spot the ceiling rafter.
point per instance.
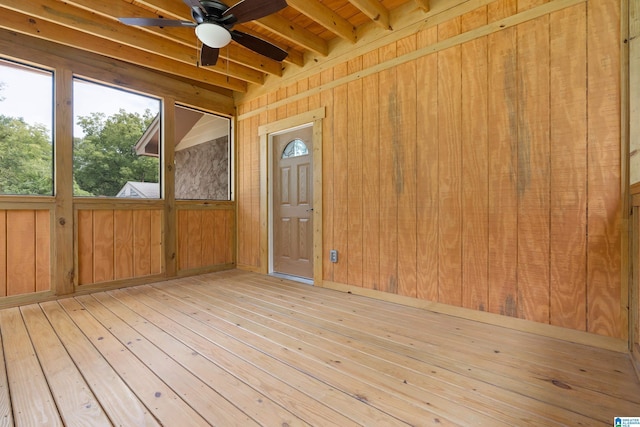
(92, 23)
(294, 33)
(186, 36)
(176, 9)
(309, 30)
(375, 11)
(423, 4)
(325, 17)
(24, 24)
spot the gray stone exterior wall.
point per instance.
(202, 171)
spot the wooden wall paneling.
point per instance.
(124, 243)
(242, 195)
(326, 99)
(568, 186)
(220, 236)
(281, 111)
(156, 241)
(272, 113)
(194, 231)
(314, 100)
(141, 243)
(303, 103)
(3, 253)
(604, 180)
(246, 203)
(533, 169)
(370, 175)
(292, 107)
(85, 246)
(406, 169)
(224, 228)
(503, 165)
(43, 250)
(475, 166)
(183, 239)
(103, 245)
(341, 177)
(355, 146)
(258, 215)
(450, 163)
(210, 236)
(427, 158)
(529, 4)
(263, 190)
(21, 241)
(388, 173)
(228, 237)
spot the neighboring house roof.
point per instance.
(192, 128)
(141, 190)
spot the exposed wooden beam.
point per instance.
(25, 24)
(94, 24)
(171, 9)
(294, 33)
(423, 4)
(295, 58)
(240, 56)
(288, 30)
(178, 10)
(375, 11)
(325, 17)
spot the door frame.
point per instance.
(312, 118)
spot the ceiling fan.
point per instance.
(213, 25)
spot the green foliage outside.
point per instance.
(105, 159)
(26, 154)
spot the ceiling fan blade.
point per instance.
(194, 4)
(156, 22)
(248, 10)
(208, 55)
(259, 46)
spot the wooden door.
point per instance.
(292, 203)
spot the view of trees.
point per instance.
(26, 154)
(104, 158)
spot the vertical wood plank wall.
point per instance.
(116, 244)
(485, 174)
(25, 251)
(205, 237)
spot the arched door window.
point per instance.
(295, 148)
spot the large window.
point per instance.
(203, 155)
(26, 124)
(116, 142)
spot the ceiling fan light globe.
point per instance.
(213, 35)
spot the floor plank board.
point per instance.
(6, 416)
(238, 348)
(162, 401)
(119, 402)
(31, 398)
(74, 399)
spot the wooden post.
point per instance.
(169, 180)
(63, 251)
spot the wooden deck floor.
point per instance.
(236, 348)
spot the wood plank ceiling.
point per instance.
(305, 28)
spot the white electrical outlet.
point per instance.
(333, 255)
